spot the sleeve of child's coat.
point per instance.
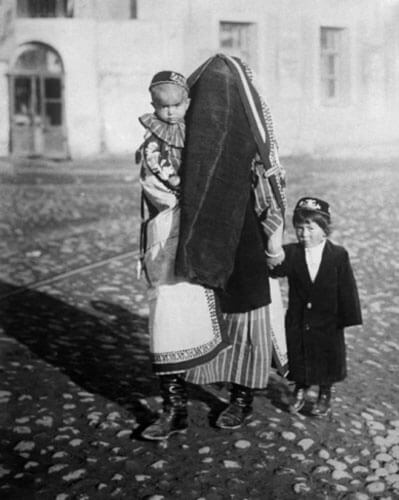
(284, 269)
(156, 192)
(349, 311)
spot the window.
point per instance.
(133, 9)
(37, 57)
(44, 8)
(116, 10)
(237, 39)
(52, 100)
(333, 64)
(38, 85)
(6, 18)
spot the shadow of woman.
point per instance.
(105, 354)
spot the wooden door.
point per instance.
(37, 105)
(54, 143)
(22, 115)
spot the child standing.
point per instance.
(183, 321)
(323, 300)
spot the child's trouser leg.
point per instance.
(173, 419)
(323, 405)
(299, 398)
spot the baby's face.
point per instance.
(170, 102)
(309, 234)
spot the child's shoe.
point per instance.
(323, 406)
(299, 399)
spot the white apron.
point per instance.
(185, 326)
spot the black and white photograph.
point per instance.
(199, 281)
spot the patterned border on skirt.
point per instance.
(188, 358)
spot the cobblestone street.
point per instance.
(76, 382)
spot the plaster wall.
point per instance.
(6, 39)
(111, 9)
(287, 63)
(363, 122)
(109, 63)
(106, 75)
(4, 110)
(124, 75)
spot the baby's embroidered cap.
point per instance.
(313, 204)
(171, 77)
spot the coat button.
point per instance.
(309, 305)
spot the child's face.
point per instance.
(309, 234)
(170, 102)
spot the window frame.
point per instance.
(246, 53)
(44, 9)
(334, 65)
(133, 9)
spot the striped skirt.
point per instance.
(248, 360)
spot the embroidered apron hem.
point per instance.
(164, 368)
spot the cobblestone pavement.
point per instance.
(76, 385)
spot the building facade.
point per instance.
(74, 74)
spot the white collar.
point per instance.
(171, 133)
(316, 250)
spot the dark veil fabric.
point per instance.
(220, 242)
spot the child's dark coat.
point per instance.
(317, 314)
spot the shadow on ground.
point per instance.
(106, 355)
(105, 352)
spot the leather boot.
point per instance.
(173, 419)
(299, 399)
(323, 406)
(239, 409)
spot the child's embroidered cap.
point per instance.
(171, 77)
(313, 204)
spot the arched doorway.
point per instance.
(37, 103)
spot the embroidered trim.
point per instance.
(277, 169)
(210, 298)
(186, 354)
(282, 357)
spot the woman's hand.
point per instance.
(274, 252)
(275, 259)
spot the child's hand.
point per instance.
(174, 180)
